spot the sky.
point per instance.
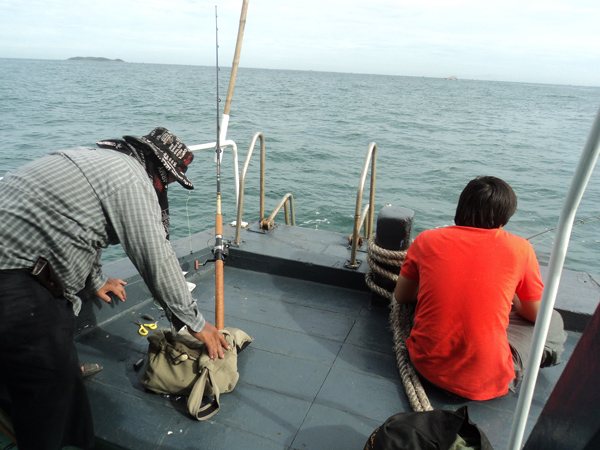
(533, 41)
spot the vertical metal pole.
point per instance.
(371, 157)
(369, 227)
(584, 170)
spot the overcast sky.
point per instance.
(539, 41)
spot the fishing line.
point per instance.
(582, 221)
(187, 213)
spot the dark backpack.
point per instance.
(429, 430)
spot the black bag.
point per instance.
(429, 430)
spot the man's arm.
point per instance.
(96, 278)
(406, 290)
(135, 216)
(528, 310)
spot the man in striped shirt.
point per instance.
(61, 211)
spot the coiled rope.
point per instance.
(400, 320)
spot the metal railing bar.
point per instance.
(587, 162)
(370, 158)
(284, 203)
(363, 217)
(242, 182)
(236, 170)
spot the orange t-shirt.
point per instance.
(467, 280)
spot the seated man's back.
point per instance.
(467, 280)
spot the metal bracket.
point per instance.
(348, 265)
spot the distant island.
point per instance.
(94, 58)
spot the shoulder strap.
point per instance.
(195, 400)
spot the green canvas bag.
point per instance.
(176, 368)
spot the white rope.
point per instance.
(400, 321)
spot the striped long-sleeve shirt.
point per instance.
(69, 205)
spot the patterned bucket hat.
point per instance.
(173, 154)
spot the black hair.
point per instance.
(486, 202)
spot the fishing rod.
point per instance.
(218, 249)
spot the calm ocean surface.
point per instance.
(432, 135)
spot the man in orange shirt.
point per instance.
(477, 290)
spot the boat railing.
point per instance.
(287, 202)
(364, 218)
(224, 144)
(269, 223)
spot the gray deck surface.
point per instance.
(320, 374)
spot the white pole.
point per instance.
(584, 170)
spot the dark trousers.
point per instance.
(40, 368)
(520, 335)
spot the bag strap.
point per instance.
(195, 400)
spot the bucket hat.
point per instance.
(173, 154)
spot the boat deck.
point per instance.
(320, 374)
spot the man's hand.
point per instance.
(115, 286)
(215, 342)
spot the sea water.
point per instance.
(432, 136)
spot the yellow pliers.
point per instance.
(143, 327)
